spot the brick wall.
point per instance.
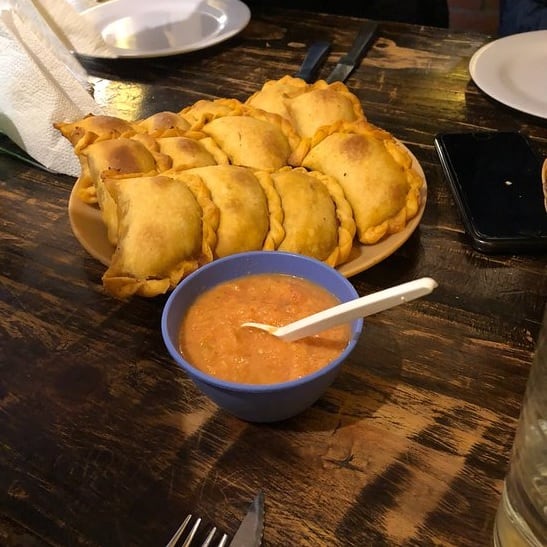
(474, 15)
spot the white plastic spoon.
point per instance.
(348, 311)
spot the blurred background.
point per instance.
(479, 15)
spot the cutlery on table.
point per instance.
(249, 533)
(316, 55)
(348, 311)
(361, 44)
(187, 542)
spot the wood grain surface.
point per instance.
(104, 442)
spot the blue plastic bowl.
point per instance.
(251, 402)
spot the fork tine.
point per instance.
(209, 537)
(192, 533)
(179, 532)
(187, 542)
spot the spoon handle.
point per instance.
(360, 307)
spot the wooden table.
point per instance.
(104, 442)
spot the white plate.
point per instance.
(156, 28)
(513, 70)
(90, 231)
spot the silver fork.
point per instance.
(207, 542)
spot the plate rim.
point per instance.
(237, 14)
(387, 246)
(521, 39)
(79, 210)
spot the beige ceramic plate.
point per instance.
(90, 231)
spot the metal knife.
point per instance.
(360, 45)
(315, 56)
(249, 533)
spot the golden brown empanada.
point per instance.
(308, 106)
(375, 172)
(275, 94)
(186, 153)
(163, 124)
(322, 106)
(94, 128)
(160, 237)
(316, 223)
(250, 142)
(204, 110)
(296, 168)
(249, 137)
(242, 204)
(123, 155)
(110, 158)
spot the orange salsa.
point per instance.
(212, 339)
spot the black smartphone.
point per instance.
(496, 181)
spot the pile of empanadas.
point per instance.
(296, 167)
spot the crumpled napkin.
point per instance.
(41, 83)
(75, 30)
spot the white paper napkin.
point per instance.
(41, 84)
(77, 31)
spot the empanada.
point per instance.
(160, 238)
(123, 155)
(308, 106)
(186, 153)
(295, 168)
(375, 172)
(164, 124)
(94, 128)
(256, 139)
(112, 157)
(275, 94)
(323, 106)
(242, 204)
(315, 223)
(204, 110)
(250, 142)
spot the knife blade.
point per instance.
(315, 56)
(348, 62)
(249, 533)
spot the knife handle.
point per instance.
(316, 54)
(364, 38)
